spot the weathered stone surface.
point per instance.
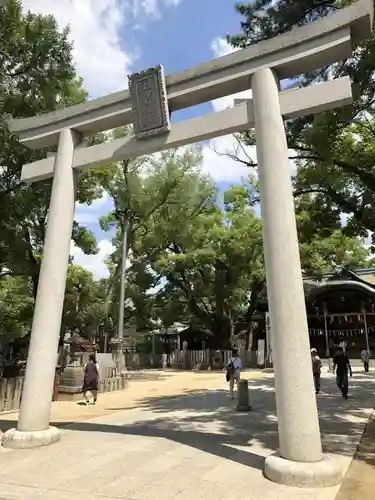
(71, 380)
(17, 392)
(243, 396)
(299, 433)
(326, 472)
(192, 446)
(10, 394)
(212, 79)
(20, 440)
(149, 101)
(3, 384)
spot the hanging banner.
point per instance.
(335, 333)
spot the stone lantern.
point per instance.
(75, 343)
(118, 355)
(71, 380)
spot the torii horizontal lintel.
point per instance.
(305, 48)
(294, 103)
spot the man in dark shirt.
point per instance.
(342, 365)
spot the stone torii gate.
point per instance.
(148, 105)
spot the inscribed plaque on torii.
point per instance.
(149, 101)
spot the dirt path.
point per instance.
(359, 482)
(151, 384)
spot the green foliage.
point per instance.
(335, 154)
(213, 269)
(36, 76)
(324, 246)
(190, 261)
(152, 193)
(264, 19)
(16, 306)
(196, 264)
(85, 304)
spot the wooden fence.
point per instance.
(11, 388)
(187, 360)
(10, 393)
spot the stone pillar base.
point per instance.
(326, 472)
(20, 440)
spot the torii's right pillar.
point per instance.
(299, 461)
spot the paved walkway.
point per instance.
(143, 384)
(359, 483)
(162, 446)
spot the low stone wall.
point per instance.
(11, 390)
(71, 382)
(112, 384)
(10, 393)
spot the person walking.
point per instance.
(365, 357)
(331, 348)
(343, 344)
(342, 365)
(234, 368)
(91, 380)
(316, 368)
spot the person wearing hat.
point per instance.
(342, 366)
(233, 373)
(316, 368)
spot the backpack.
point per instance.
(230, 370)
(316, 365)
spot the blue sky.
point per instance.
(183, 38)
(113, 38)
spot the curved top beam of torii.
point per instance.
(315, 45)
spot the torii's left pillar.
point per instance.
(33, 429)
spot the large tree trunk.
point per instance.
(249, 338)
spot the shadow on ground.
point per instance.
(207, 420)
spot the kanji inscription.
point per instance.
(149, 102)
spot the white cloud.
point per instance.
(89, 214)
(97, 28)
(223, 168)
(93, 263)
(95, 31)
(220, 48)
(220, 166)
(152, 7)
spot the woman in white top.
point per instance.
(365, 357)
(234, 368)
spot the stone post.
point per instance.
(118, 355)
(185, 355)
(243, 395)
(33, 424)
(300, 461)
(71, 380)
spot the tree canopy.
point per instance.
(195, 253)
(198, 260)
(333, 150)
(37, 75)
